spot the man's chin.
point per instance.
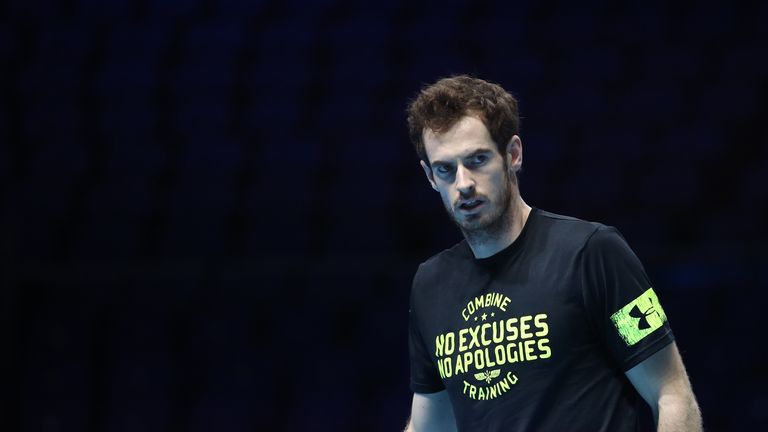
(473, 224)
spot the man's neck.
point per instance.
(487, 244)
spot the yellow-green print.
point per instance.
(639, 318)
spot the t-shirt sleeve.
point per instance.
(424, 375)
(620, 300)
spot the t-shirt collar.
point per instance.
(510, 250)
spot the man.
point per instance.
(534, 321)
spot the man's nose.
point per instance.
(465, 184)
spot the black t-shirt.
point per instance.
(539, 335)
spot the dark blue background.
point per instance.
(211, 212)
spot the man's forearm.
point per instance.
(679, 413)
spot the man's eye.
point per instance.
(479, 159)
(443, 169)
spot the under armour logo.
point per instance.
(642, 317)
(639, 318)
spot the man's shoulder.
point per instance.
(448, 257)
(436, 269)
(565, 220)
(565, 229)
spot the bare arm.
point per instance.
(431, 412)
(662, 381)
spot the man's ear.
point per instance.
(514, 154)
(428, 173)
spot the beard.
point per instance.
(481, 227)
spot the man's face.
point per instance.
(473, 178)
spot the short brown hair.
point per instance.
(439, 106)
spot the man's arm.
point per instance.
(662, 381)
(431, 412)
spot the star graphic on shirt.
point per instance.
(493, 314)
(485, 315)
(475, 318)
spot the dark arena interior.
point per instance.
(212, 213)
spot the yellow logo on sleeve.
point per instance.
(639, 318)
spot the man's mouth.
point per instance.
(470, 204)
